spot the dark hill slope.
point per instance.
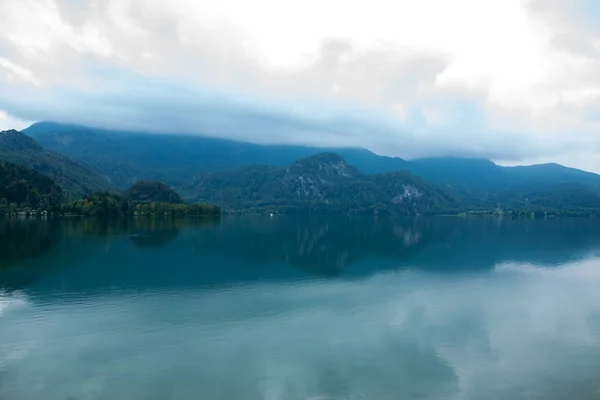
(152, 191)
(27, 187)
(74, 178)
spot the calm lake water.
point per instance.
(286, 308)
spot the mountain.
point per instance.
(323, 183)
(127, 157)
(482, 182)
(27, 187)
(554, 198)
(251, 178)
(152, 191)
(74, 178)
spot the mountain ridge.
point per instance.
(177, 160)
(233, 154)
(127, 157)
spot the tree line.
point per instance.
(107, 204)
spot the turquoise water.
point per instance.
(286, 308)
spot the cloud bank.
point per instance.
(515, 81)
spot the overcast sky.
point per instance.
(517, 81)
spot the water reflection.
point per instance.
(296, 309)
(517, 333)
(112, 253)
(23, 239)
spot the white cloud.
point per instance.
(461, 77)
(13, 72)
(8, 122)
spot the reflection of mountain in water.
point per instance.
(324, 247)
(357, 246)
(146, 253)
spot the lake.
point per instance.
(293, 308)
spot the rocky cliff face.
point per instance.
(313, 178)
(409, 192)
(324, 166)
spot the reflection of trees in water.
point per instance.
(156, 232)
(150, 238)
(23, 238)
(142, 231)
(115, 226)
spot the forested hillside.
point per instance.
(23, 187)
(152, 191)
(323, 183)
(127, 157)
(74, 178)
(252, 178)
